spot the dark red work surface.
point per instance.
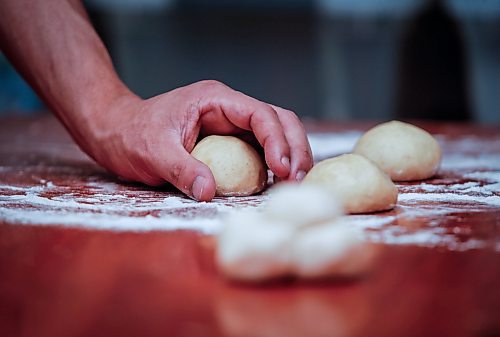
(67, 282)
(57, 281)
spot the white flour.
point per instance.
(90, 201)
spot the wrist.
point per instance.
(92, 122)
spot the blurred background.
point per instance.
(323, 59)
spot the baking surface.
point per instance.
(83, 253)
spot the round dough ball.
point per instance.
(331, 250)
(237, 168)
(300, 205)
(360, 184)
(252, 249)
(404, 151)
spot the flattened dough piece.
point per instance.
(237, 168)
(360, 184)
(404, 151)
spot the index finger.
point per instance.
(251, 114)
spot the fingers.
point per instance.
(269, 133)
(296, 136)
(250, 114)
(186, 173)
(225, 111)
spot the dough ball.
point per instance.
(362, 186)
(404, 151)
(252, 249)
(237, 168)
(302, 205)
(331, 250)
(299, 232)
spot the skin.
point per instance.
(54, 46)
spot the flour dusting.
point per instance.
(428, 212)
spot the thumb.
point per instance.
(188, 174)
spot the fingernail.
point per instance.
(198, 186)
(286, 162)
(300, 175)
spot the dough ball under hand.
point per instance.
(237, 168)
(404, 151)
(360, 184)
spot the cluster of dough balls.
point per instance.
(237, 168)
(393, 150)
(300, 232)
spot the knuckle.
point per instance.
(289, 116)
(293, 116)
(211, 84)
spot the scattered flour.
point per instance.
(107, 221)
(452, 198)
(425, 238)
(370, 221)
(463, 161)
(489, 176)
(468, 144)
(93, 201)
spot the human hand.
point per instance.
(150, 140)
(142, 140)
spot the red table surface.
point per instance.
(62, 281)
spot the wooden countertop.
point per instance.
(84, 254)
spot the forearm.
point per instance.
(54, 46)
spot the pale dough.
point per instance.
(404, 151)
(258, 246)
(360, 184)
(250, 248)
(331, 250)
(302, 206)
(237, 168)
